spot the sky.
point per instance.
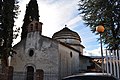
(55, 14)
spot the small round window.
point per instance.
(31, 53)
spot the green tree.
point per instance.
(1, 19)
(106, 13)
(32, 13)
(9, 11)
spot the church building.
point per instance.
(54, 58)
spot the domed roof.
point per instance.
(66, 33)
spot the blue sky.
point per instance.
(55, 14)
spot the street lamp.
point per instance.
(100, 29)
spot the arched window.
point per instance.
(30, 73)
(36, 26)
(31, 53)
(31, 27)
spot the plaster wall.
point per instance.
(69, 61)
(45, 55)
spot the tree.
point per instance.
(106, 13)
(32, 13)
(1, 19)
(9, 12)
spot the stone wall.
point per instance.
(45, 54)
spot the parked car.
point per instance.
(91, 76)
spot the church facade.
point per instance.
(56, 57)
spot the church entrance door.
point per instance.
(30, 73)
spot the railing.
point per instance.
(112, 62)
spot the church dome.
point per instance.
(68, 36)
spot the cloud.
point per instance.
(94, 52)
(74, 21)
(55, 14)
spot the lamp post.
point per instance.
(100, 29)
